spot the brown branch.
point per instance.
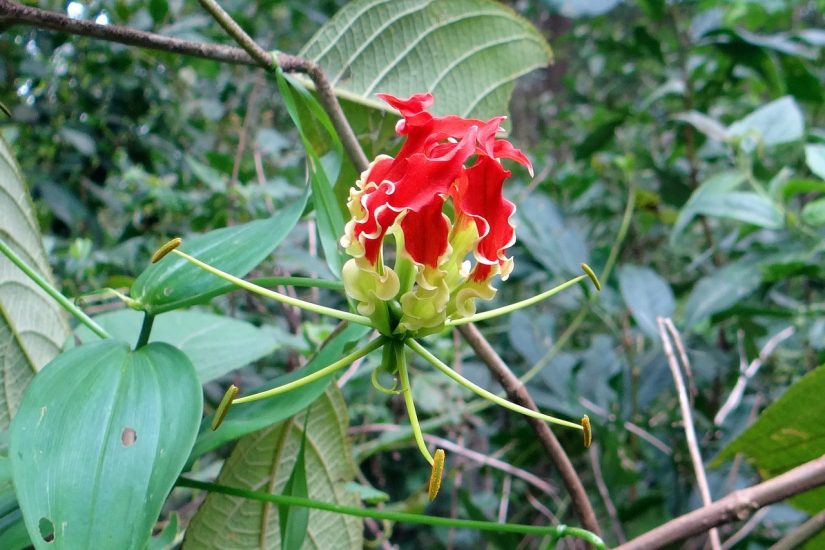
(517, 393)
(737, 506)
(12, 13)
(802, 533)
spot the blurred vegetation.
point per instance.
(711, 111)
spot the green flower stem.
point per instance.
(438, 364)
(304, 282)
(40, 281)
(145, 330)
(277, 296)
(403, 517)
(341, 363)
(406, 390)
(516, 306)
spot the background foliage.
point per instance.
(711, 111)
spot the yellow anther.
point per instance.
(435, 475)
(223, 408)
(592, 274)
(588, 435)
(166, 249)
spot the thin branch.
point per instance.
(605, 494)
(13, 13)
(746, 529)
(735, 397)
(475, 456)
(736, 506)
(798, 536)
(517, 393)
(504, 503)
(680, 348)
(687, 418)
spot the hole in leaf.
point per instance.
(128, 437)
(46, 529)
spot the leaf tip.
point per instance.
(166, 249)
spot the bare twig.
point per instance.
(745, 530)
(680, 347)
(736, 506)
(687, 418)
(504, 503)
(605, 494)
(517, 393)
(798, 536)
(13, 13)
(475, 456)
(629, 426)
(746, 374)
(243, 136)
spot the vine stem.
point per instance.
(41, 281)
(277, 296)
(387, 515)
(478, 390)
(317, 375)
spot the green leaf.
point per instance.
(215, 344)
(263, 461)
(647, 296)
(814, 212)
(321, 178)
(250, 417)
(174, 283)
(778, 122)
(467, 52)
(165, 540)
(100, 437)
(158, 10)
(798, 186)
(722, 289)
(786, 434)
(33, 327)
(554, 242)
(815, 158)
(293, 521)
(13, 534)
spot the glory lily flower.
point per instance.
(440, 201)
(450, 222)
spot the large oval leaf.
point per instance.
(99, 439)
(32, 325)
(216, 344)
(467, 52)
(174, 283)
(263, 461)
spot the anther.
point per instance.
(435, 475)
(166, 249)
(223, 408)
(590, 273)
(588, 435)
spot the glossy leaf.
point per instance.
(722, 289)
(786, 434)
(100, 438)
(263, 461)
(33, 327)
(467, 52)
(775, 123)
(322, 176)
(249, 417)
(173, 283)
(215, 344)
(293, 521)
(647, 296)
(815, 158)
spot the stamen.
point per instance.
(436, 474)
(592, 274)
(588, 435)
(166, 249)
(223, 408)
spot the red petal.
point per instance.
(426, 232)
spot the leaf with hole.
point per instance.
(33, 327)
(263, 461)
(100, 437)
(466, 52)
(174, 283)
